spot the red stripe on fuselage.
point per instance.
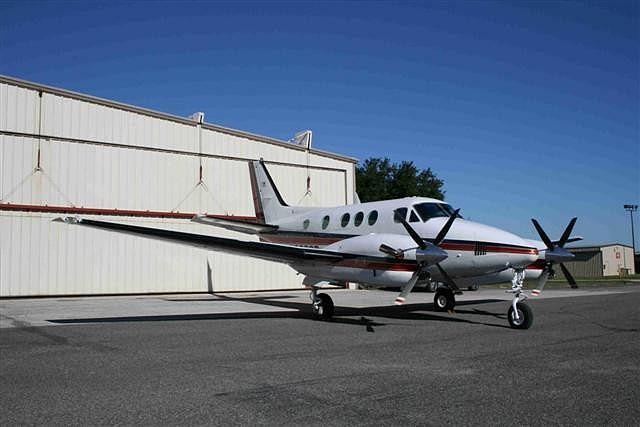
(377, 265)
(314, 240)
(538, 265)
(471, 247)
(300, 240)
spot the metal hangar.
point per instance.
(64, 153)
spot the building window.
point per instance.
(357, 220)
(325, 222)
(373, 217)
(345, 219)
(305, 224)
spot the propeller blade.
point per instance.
(569, 277)
(408, 287)
(386, 249)
(542, 280)
(440, 237)
(542, 234)
(567, 232)
(414, 235)
(448, 278)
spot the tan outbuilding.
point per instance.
(611, 259)
(64, 153)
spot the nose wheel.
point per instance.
(444, 300)
(524, 317)
(322, 306)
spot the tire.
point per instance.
(444, 300)
(324, 310)
(524, 313)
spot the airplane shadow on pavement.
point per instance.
(343, 315)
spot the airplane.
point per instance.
(393, 244)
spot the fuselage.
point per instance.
(473, 249)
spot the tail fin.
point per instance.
(269, 204)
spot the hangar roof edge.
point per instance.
(598, 246)
(158, 114)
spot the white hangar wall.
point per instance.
(63, 153)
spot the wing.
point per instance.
(241, 226)
(268, 251)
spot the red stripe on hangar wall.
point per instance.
(111, 212)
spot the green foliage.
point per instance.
(379, 179)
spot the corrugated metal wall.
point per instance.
(587, 263)
(59, 149)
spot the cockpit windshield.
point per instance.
(433, 210)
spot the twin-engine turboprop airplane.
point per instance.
(392, 243)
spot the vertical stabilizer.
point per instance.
(269, 204)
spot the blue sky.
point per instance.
(525, 109)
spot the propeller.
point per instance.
(427, 254)
(555, 253)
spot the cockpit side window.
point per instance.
(399, 213)
(433, 210)
(413, 217)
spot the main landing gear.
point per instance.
(519, 315)
(322, 305)
(444, 299)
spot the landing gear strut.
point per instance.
(444, 300)
(519, 315)
(322, 305)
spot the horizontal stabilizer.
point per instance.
(242, 226)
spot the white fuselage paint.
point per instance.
(474, 250)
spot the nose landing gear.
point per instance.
(520, 315)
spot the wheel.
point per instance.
(444, 300)
(324, 308)
(525, 316)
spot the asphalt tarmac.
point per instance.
(256, 359)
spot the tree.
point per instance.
(379, 179)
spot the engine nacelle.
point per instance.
(369, 244)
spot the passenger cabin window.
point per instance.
(373, 217)
(305, 224)
(345, 219)
(433, 210)
(399, 214)
(413, 217)
(325, 222)
(357, 220)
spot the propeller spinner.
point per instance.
(427, 254)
